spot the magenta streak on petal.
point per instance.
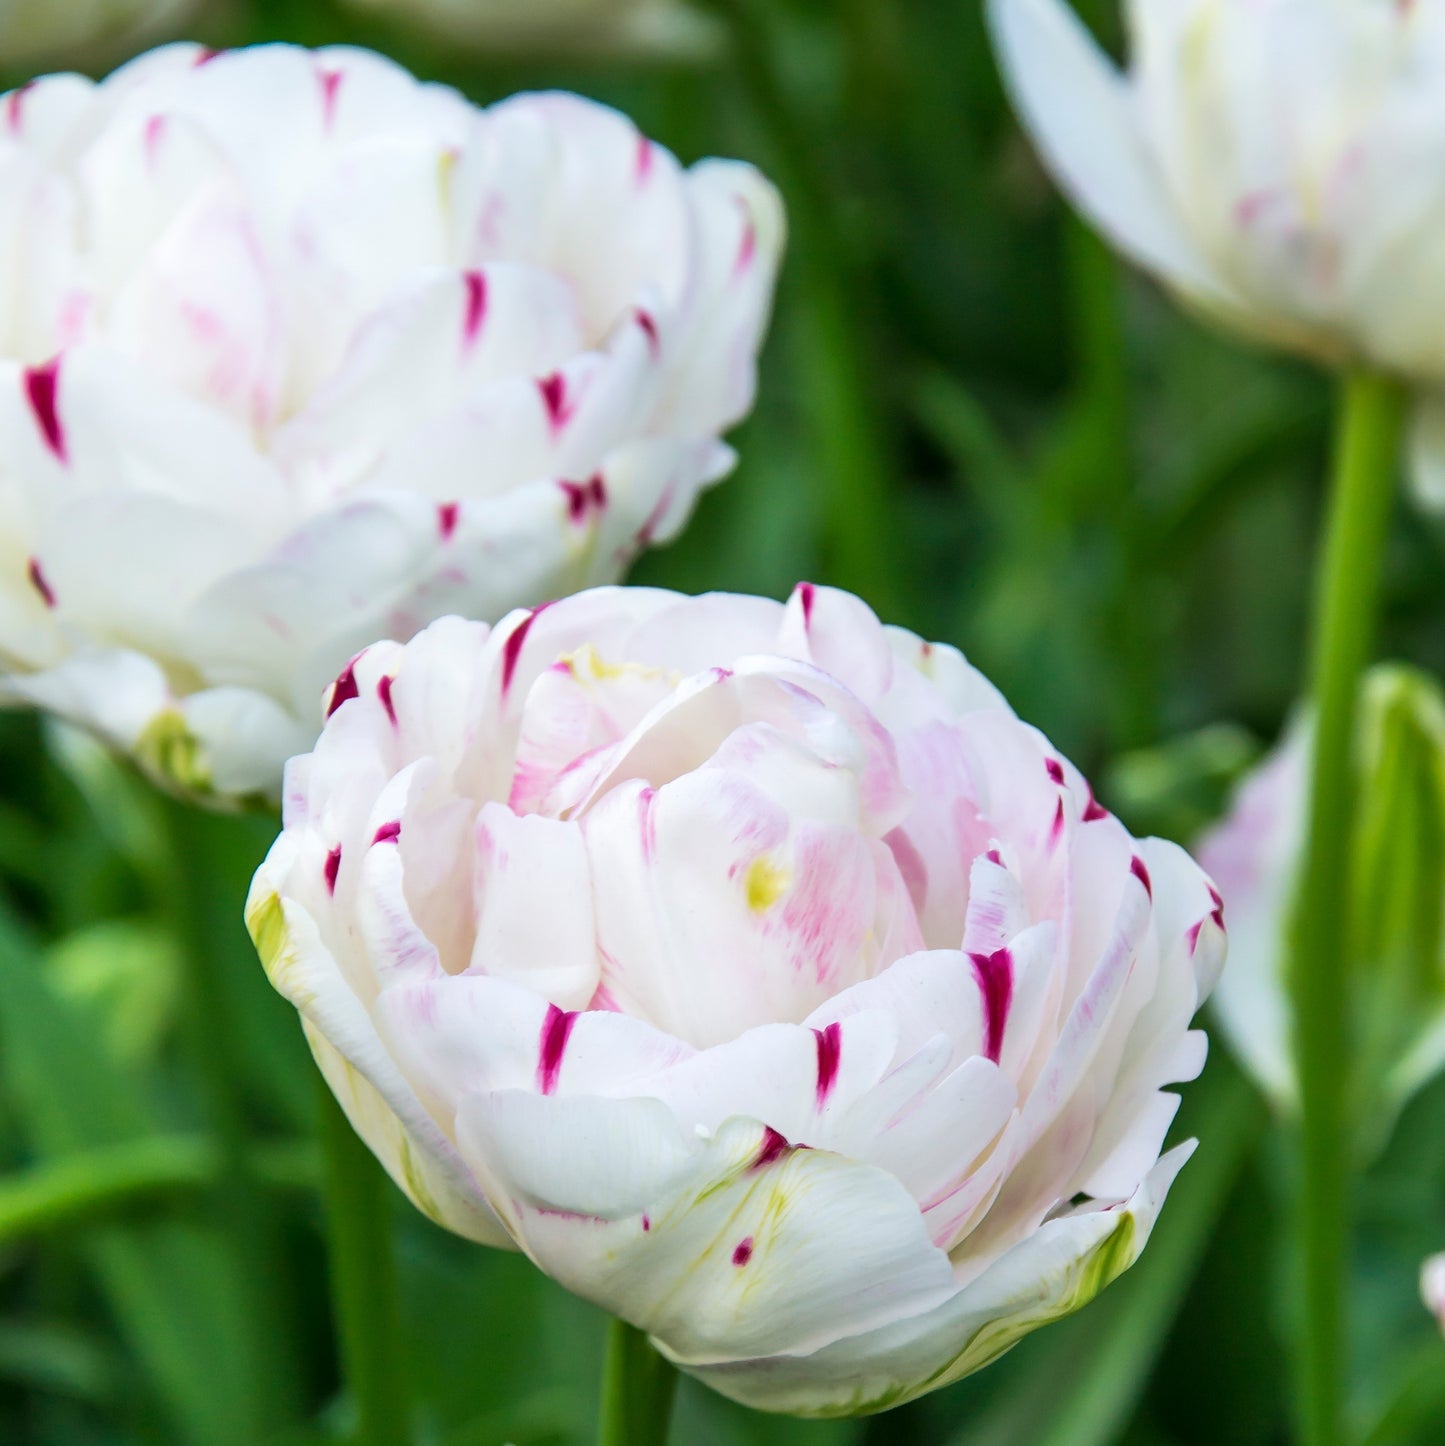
(995, 975)
(15, 107)
(646, 1223)
(41, 386)
(154, 133)
(648, 530)
(205, 55)
(743, 1251)
(39, 583)
(383, 691)
(994, 857)
(648, 323)
(1218, 914)
(447, 518)
(512, 648)
(643, 164)
(344, 689)
(773, 1147)
(807, 594)
(1056, 829)
(1137, 868)
(330, 82)
(333, 867)
(830, 1049)
(388, 832)
(554, 397)
(748, 247)
(584, 498)
(1056, 770)
(476, 312)
(647, 824)
(1193, 935)
(1094, 810)
(552, 1045)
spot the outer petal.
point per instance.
(746, 1248)
(1058, 1269)
(1078, 110)
(377, 1099)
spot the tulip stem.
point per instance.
(637, 1390)
(363, 1281)
(1347, 605)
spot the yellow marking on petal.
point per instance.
(446, 168)
(765, 883)
(586, 666)
(266, 924)
(173, 755)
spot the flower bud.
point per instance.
(754, 969)
(1396, 902)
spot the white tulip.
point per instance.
(1277, 163)
(297, 353)
(754, 969)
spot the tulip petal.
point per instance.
(1079, 112)
(749, 1247)
(1054, 1272)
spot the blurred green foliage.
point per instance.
(970, 414)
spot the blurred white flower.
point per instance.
(1432, 1287)
(1397, 901)
(1276, 162)
(51, 30)
(754, 969)
(658, 29)
(299, 353)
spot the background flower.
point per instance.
(651, 29)
(752, 968)
(47, 31)
(300, 353)
(1397, 901)
(1432, 1287)
(1275, 163)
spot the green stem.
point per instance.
(637, 1390)
(1347, 605)
(198, 891)
(363, 1281)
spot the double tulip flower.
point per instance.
(281, 377)
(754, 969)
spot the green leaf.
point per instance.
(171, 1286)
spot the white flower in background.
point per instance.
(300, 353)
(1432, 1287)
(657, 29)
(1397, 901)
(40, 30)
(754, 969)
(1276, 162)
